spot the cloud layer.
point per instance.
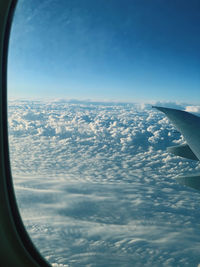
(100, 184)
(80, 140)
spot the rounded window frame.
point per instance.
(16, 247)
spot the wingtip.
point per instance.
(155, 107)
(160, 108)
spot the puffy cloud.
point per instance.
(100, 184)
(194, 109)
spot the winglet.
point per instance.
(191, 181)
(182, 151)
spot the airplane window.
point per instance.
(94, 182)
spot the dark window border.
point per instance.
(16, 247)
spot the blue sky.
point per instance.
(106, 50)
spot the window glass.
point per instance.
(94, 182)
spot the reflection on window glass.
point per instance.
(92, 177)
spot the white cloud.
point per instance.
(194, 109)
(100, 184)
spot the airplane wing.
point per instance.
(191, 181)
(183, 151)
(189, 126)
